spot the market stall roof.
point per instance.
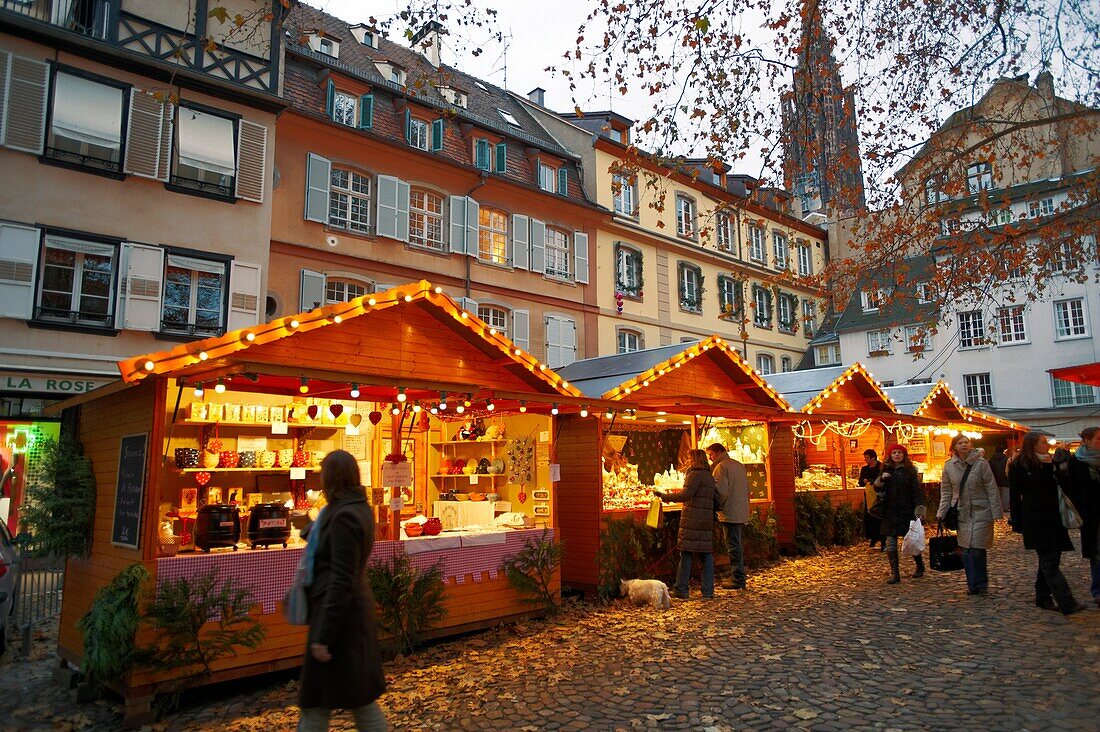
(708, 377)
(1086, 373)
(412, 336)
(938, 401)
(834, 390)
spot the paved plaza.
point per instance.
(818, 643)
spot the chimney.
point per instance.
(1044, 84)
(427, 40)
(538, 96)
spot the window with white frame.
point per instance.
(349, 200)
(558, 254)
(971, 329)
(685, 216)
(916, 338)
(1069, 318)
(809, 318)
(397, 75)
(1011, 324)
(419, 133)
(978, 390)
(76, 282)
(86, 122)
(871, 299)
(1069, 394)
(343, 109)
(979, 177)
(561, 341)
(762, 304)
(1042, 207)
(785, 313)
(781, 250)
(765, 363)
(205, 151)
(723, 232)
(785, 364)
(1063, 260)
(628, 271)
(492, 236)
(494, 316)
(629, 341)
(933, 189)
(625, 192)
(827, 354)
(758, 251)
(194, 293)
(999, 217)
(691, 288)
(924, 293)
(325, 46)
(344, 290)
(426, 219)
(805, 259)
(548, 178)
(879, 342)
(730, 297)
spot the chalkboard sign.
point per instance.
(129, 491)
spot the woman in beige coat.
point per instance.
(979, 502)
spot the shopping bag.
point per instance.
(653, 518)
(296, 602)
(944, 554)
(913, 543)
(1071, 519)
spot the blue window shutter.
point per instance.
(408, 126)
(366, 111)
(437, 135)
(330, 99)
(502, 158)
(481, 154)
(563, 181)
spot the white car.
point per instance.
(9, 581)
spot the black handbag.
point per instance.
(951, 518)
(944, 554)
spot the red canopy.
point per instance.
(1086, 373)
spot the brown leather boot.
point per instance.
(894, 576)
(920, 566)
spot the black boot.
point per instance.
(1046, 603)
(894, 576)
(919, 559)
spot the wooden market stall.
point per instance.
(662, 402)
(430, 400)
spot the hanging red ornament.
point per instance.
(202, 478)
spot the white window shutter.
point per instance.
(521, 241)
(142, 287)
(402, 211)
(311, 290)
(538, 246)
(18, 269)
(521, 329)
(468, 304)
(318, 178)
(580, 256)
(5, 67)
(144, 136)
(458, 224)
(553, 341)
(569, 341)
(244, 295)
(251, 161)
(164, 157)
(26, 97)
(473, 222)
(387, 206)
(383, 286)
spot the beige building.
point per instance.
(688, 253)
(135, 184)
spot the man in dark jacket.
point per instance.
(999, 465)
(732, 488)
(1079, 475)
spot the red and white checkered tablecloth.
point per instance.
(268, 573)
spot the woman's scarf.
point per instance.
(1086, 455)
(312, 541)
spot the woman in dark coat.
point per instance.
(1033, 493)
(342, 667)
(696, 523)
(872, 525)
(1080, 477)
(902, 501)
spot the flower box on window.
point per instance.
(879, 352)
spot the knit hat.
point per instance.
(898, 447)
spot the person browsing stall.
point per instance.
(902, 501)
(868, 474)
(696, 523)
(732, 485)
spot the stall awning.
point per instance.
(707, 378)
(1086, 373)
(412, 336)
(847, 390)
(938, 401)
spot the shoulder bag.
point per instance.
(1071, 518)
(296, 600)
(943, 552)
(951, 518)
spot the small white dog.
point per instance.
(646, 592)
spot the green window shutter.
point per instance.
(330, 99)
(408, 126)
(481, 154)
(563, 181)
(437, 135)
(366, 111)
(502, 158)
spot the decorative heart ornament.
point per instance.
(375, 417)
(313, 410)
(335, 410)
(356, 419)
(202, 478)
(522, 497)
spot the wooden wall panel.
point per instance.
(580, 499)
(781, 479)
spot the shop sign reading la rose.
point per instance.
(50, 383)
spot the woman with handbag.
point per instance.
(872, 509)
(696, 523)
(898, 485)
(1033, 493)
(969, 491)
(1079, 475)
(343, 666)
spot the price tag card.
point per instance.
(396, 504)
(544, 436)
(351, 430)
(278, 428)
(297, 473)
(555, 472)
(473, 479)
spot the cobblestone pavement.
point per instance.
(818, 643)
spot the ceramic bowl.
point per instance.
(413, 529)
(286, 458)
(477, 496)
(248, 459)
(461, 497)
(268, 458)
(493, 497)
(432, 527)
(211, 459)
(229, 459)
(300, 459)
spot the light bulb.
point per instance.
(354, 391)
(416, 408)
(199, 390)
(303, 385)
(220, 387)
(401, 394)
(554, 410)
(149, 365)
(203, 355)
(294, 323)
(490, 406)
(523, 406)
(395, 410)
(584, 411)
(460, 409)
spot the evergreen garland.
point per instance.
(110, 624)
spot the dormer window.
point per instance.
(871, 300)
(397, 76)
(489, 156)
(616, 135)
(324, 44)
(391, 72)
(326, 47)
(508, 117)
(367, 36)
(454, 96)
